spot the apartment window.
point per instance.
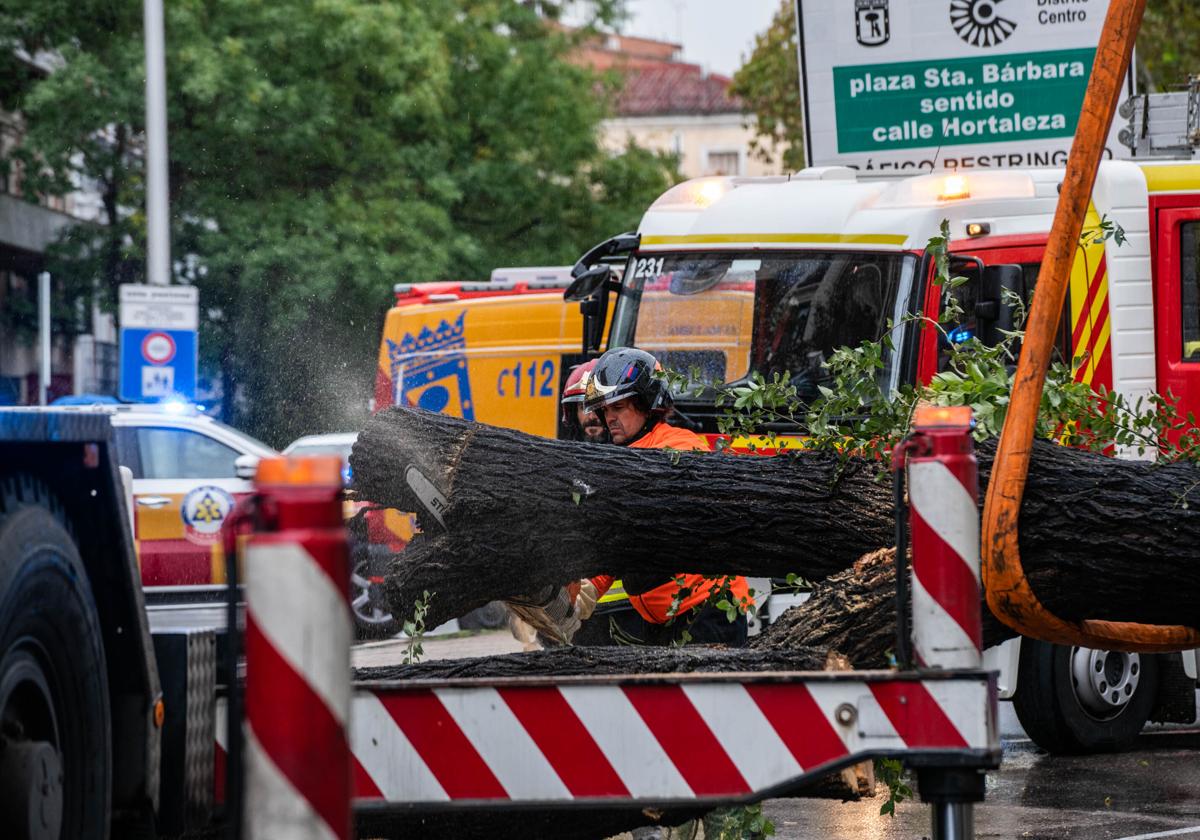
(725, 163)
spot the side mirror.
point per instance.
(608, 250)
(246, 466)
(587, 284)
(593, 281)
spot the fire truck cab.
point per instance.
(779, 272)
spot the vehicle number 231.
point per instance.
(527, 379)
(648, 267)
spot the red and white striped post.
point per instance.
(298, 633)
(943, 489)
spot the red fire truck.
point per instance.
(824, 259)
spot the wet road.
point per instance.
(1139, 794)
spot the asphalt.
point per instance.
(1139, 794)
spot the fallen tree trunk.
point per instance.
(599, 661)
(853, 613)
(505, 514)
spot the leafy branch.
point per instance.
(414, 629)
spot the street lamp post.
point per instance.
(158, 228)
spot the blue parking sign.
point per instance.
(157, 364)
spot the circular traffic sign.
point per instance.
(158, 348)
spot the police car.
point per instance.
(188, 470)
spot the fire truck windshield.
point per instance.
(727, 314)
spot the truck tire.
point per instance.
(1076, 701)
(54, 705)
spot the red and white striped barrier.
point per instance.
(684, 740)
(297, 644)
(943, 489)
(697, 737)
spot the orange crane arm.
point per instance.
(1009, 595)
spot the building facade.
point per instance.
(79, 363)
(668, 105)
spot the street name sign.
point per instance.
(919, 85)
(159, 349)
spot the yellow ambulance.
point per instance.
(495, 352)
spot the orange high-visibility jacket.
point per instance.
(656, 603)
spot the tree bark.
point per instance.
(597, 661)
(854, 613)
(512, 514)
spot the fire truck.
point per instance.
(826, 258)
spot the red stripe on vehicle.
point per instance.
(301, 737)
(1103, 374)
(174, 563)
(917, 717)
(947, 578)
(686, 739)
(1086, 312)
(457, 765)
(799, 722)
(565, 742)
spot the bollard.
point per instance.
(947, 629)
(943, 491)
(297, 643)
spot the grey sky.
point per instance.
(718, 34)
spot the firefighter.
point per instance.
(635, 404)
(577, 422)
(611, 608)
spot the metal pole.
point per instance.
(953, 821)
(44, 336)
(158, 228)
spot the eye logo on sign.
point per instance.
(429, 370)
(204, 510)
(871, 25)
(977, 22)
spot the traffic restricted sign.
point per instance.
(158, 343)
(158, 348)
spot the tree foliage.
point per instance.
(1168, 49)
(319, 154)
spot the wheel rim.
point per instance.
(1104, 681)
(366, 597)
(31, 778)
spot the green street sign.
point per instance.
(960, 101)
